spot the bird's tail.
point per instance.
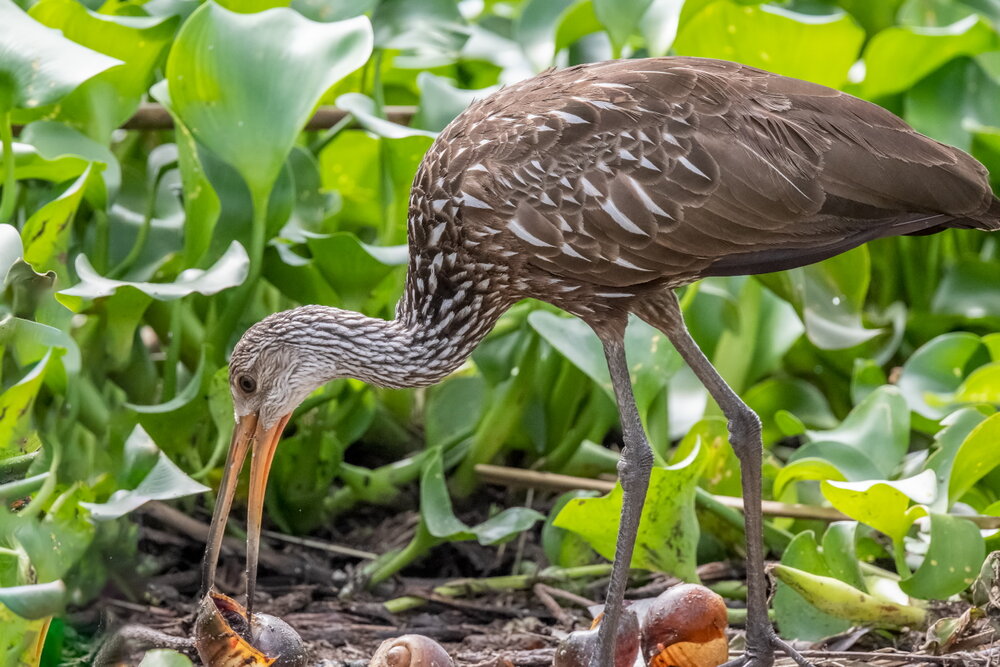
(991, 221)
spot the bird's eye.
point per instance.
(247, 384)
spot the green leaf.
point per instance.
(164, 482)
(164, 658)
(429, 33)
(879, 428)
(970, 288)
(668, 531)
(55, 141)
(38, 66)
(48, 229)
(956, 428)
(441, 522)
(230, 270)
(884, 504)
(245, 94)
(829, 298)
(362, 108)
(842, 600)
(15, 408)
(796, 617)
(840, 553)
(792, 395)
(898, 57)
(562, 547)
(35, 601)
(804, 469)
(536, 28)
(104, 102)
(620, 17)
(453, 409)
(659, 25)
(30, 163)
(952, 562)
(935, 371)
(818, 48)
(352, 268)
(441, 101)
(977, 456)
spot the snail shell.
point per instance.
(411, 651)
(685, 626)
(578, 648)
(221, 629)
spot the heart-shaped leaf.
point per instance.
(35, 601)
(38, 66)
(954, 556)
(884, 504)
(245, 84)
(230, 270)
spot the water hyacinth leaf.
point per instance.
(970, 288)
(35, 601)
(253, 6)
(252, 121)
(165, 481)
(879, 428)
(576, 23)
(956, 428)
(935, 371)
(668, 530)
(793, 395)
(191, 391)
(108, 99)
(30, 163)
(977, 456)
(842, 600)
(362, 108)
(440, 520)
(620, 17)
(952, 562)
(453, 410)
(898, 57)
(48, 229)
(441, 101)
(536, 27)
(38, 66)
(854, 465)
(15, 408)
(429, 33)
(866, 377)
(562, 547)
(820, 48)
(31, 341)
(982, 386)
(332, 10)
(796, 617)
(829, 298)
(230, 270)
(164, 658)
(884, 504)
(840, 553)
(11, 249)
(354, 269)
(804, 469)
(721, 472)
(659, 25)
(56, 140)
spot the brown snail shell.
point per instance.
(685, 626)
(411, 651)
(221, 637)
(578, 648)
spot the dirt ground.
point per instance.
(314, 589)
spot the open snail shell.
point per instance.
(225, 638)
(577, 649)
(411, 651)
(685, 626)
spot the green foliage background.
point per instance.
(132, 261)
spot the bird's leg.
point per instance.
(745, 436)
(633, 470)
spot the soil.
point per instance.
(317, 593)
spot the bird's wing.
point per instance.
(631, 172)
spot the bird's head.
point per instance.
(271, 372)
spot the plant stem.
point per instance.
(899, 556)
(173, 352)
(34, 508)
(421, 543)
(141, 236)
(236, 308)
(9, 178)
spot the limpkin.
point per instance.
(600, 189)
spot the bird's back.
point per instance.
(630, 175)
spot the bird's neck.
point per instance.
(421, 346)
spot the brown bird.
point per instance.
(599, 189)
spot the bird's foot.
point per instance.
(763, 656)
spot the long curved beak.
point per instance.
(264, 443)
